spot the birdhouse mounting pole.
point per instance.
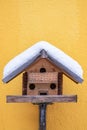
(42, 116)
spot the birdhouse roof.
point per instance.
(58, 57)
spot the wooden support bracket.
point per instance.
(42, 99)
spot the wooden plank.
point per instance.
(60, 83)
(48, 77)
(24, 83)
(42, 99)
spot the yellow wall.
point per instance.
(62, 23)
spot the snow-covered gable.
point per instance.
(26, 58)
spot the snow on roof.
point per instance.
(23, 60)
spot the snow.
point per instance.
(52, 51)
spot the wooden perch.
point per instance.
(42, 99)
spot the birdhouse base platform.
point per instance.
(41, 99)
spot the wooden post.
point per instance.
(42, 116)
(24, 87)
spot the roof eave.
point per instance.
(73, 76)
(20, 69)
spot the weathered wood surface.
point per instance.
(42, 99)
(24, 83)
(48, 77)
(42, 116)
(60, 83)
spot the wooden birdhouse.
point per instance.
(43, 67)
(42, 77)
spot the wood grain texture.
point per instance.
(48, 77)
(60, 83)
(42, 99)
(42, 116)
(24, 83)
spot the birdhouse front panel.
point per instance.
(48, 77)
(42, 83)
(41, 78)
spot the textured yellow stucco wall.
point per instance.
(62, 23)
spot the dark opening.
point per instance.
(53, 86)
(43, 93)
(42, 70)
(32, 86)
